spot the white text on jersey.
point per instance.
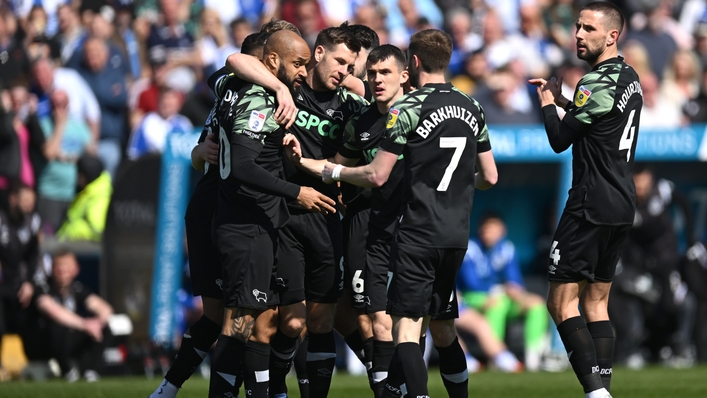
(442, 114)
(633, 88)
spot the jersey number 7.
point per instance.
(628, 135)
(458, 143)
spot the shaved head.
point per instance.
(283, 42)
(286, 55)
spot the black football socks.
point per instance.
(452, 368)
(603, 336)
(581, 352)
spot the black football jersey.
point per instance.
(362, 137)
(19, 249)
(319, 127)
(606, 108)
(245, 117)
(439, 130)
(653, 227)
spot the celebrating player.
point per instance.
(602, 125)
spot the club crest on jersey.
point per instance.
(256, 121)
(582, 95)
(392, 117)
(365, 136)
(335, 114)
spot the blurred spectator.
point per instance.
(83, 105)
(373, 15)
(658, 111)
(696, 108)
(71, 33)
(21, 140)
(571, 73)
(105, 69)
(151, 134)
(15, 63)
(240, 29)
(86, 217)
(490, 281)
(19, 257)
(533, 33)
(214, 45)
(475, 74)
(503, 98)
(472, 322)
(560, 18)
(67, 138)
(464, 39)
(636, 55)
(651, 294)
(50, 24)
(171, 44)
(682, 78)
(306, 15)
(659, 44)
(72, 319)
(124, 22)
(37, 41)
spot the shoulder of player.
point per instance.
(412, 99)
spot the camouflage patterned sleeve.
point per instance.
(483, 140)
(403, 117)
(354, 102)
(593, 97)
(253, 114)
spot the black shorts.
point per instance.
(248, 257)
(585, 251)
(422, 281)
(310, 259)
(376, 275)
(355, 228)
(204, 258)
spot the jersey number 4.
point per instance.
(628, 135)
(458, 143)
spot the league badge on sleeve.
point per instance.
(256, 121)
(580, 98)
(392, 117)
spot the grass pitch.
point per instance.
(654, 382)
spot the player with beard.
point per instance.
(443, 137)
(601, 125)
(372, 226)
(204, 258)
(310, 244)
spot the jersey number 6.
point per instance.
(458, 143)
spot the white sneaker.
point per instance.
(72, 376)
(91, 376)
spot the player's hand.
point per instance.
(326, 172)
(293, 149)
(549, 92)
(24, 295)
(94, 328)
(210, 151)
(286, 109)
(315, 201)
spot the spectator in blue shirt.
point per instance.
(490, 281)
(105, 69)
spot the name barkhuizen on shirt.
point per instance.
(442, 114)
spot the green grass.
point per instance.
(648, 383)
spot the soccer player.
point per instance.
(356, 82)
(601, 124)
(204, 257)
(442, 135)
(250, 211)
(310, 244)
(372, 228)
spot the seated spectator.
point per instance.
(66, 139)
(473, 322)
(19, 257)
(215, 45)
(71, 318)
(71, 33)
(696, 108)
(105, 70)
(86, 217)
(490, 281)
(21, 140)
(503, 100)
(658, 111)
(16, 65)
(151, 133)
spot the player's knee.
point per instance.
(443, 333)
(292, 326)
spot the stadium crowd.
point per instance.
(86, 85)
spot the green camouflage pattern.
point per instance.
(600, 85)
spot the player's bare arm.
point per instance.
(354, 85)
(487, 176)
(205, 152)
(251, 69)
(372, 175)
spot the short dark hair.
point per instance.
(434, 49)
(275, 25)
(367, 36)
(62, 251)
(490, 215)
(613, 18)
(16, 185)
(90, 166)
(381, 53)
(335, 35)
(254, 42)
